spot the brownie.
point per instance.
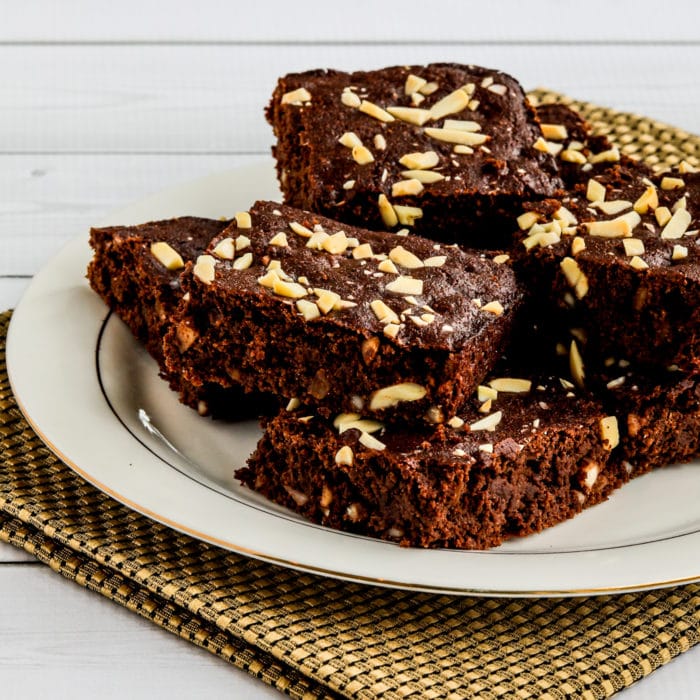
(580, 153)
(445, 150)
(536, 457)
(141, 284)
(618, 258)
(341, 318)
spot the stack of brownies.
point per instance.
(467, 322)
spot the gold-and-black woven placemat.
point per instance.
(316, 638)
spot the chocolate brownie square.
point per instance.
(136, 271)
(537, 456)
(341, 318)
(445, 150)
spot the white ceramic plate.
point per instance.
(94, 396)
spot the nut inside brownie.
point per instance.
(445, 150)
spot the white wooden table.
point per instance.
(102, 103)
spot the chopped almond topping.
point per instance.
(576, 365)
(411, 115)
(350, 99)
(383, 313)
(672, 183)
(405, 258)
(638, 264)
(613, 207)
(204, 269)
(350, 139)
(407, 215)
(511, 385)
(362, 155)
(609, 432)
(493, 307)
(387, 212)
(405, 188)
(391, 330)
(288, 289)
(344, 456)
(527, 220)
(663, 215)
(375, 111)
(420, 161)
(167, 256)
(648, 200)
(405, 285)
(327, 300)
(436, 261)
(391, 396)
(466, 138)
(414, 84)
(279, 240)
(488, 423)
(595, 191)
(427, 177)
(379, 142)
(451, 104)
(244, 262)
(612, 155)
(308, 309)
(387, 266)
(677, 225)
(554, 132)
(571, 156)
(295, 97)
(461, 125)
(362, 251)
(679, 252)
(577, 245)
(500, 259)
(300, 230)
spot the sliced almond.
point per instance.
(595, 192)
(498, 89)
(672, 183)
(350, 99)
(633, 246)
(379, 142)
(279, 240)
(427, 177)
(648, 200)
(488, 423)
(362, 251)
(681, 203)
(167, 256)
(391, 396)
(349, 421)
(407, 215)
(493, 307)
(371, 442)
(484, 393)
(350, 139)
(405, 285)
(308, 309)
(388, 266)
(461, 125)
(577, 245)
(613, 207)
(428, 88)
(677, 224)
(406, 188)
(410, 115)
(511, 385)
(375, 111)
(613, 228)
(405, 258)
(387, 212)
(679, 252)
(326, 300)
(413, 84)
(554, 132)
(571, 156)
(420, 161)
(297, 96)
(293, 290)
(362, 155)
(574, 276)
(547, 146)
(437, 261)
(244, 262)
(612, 155)
(576, 365)
(300, 230)
(391, 330)
(465, 138)
(204, 269)
(663, 215)
(638, 264)
(384, 313)
(243, 219)
(527, 220)
(336, 244)
(461, 149)
(451, 104)
(344, 456)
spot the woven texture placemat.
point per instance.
(321, 638)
